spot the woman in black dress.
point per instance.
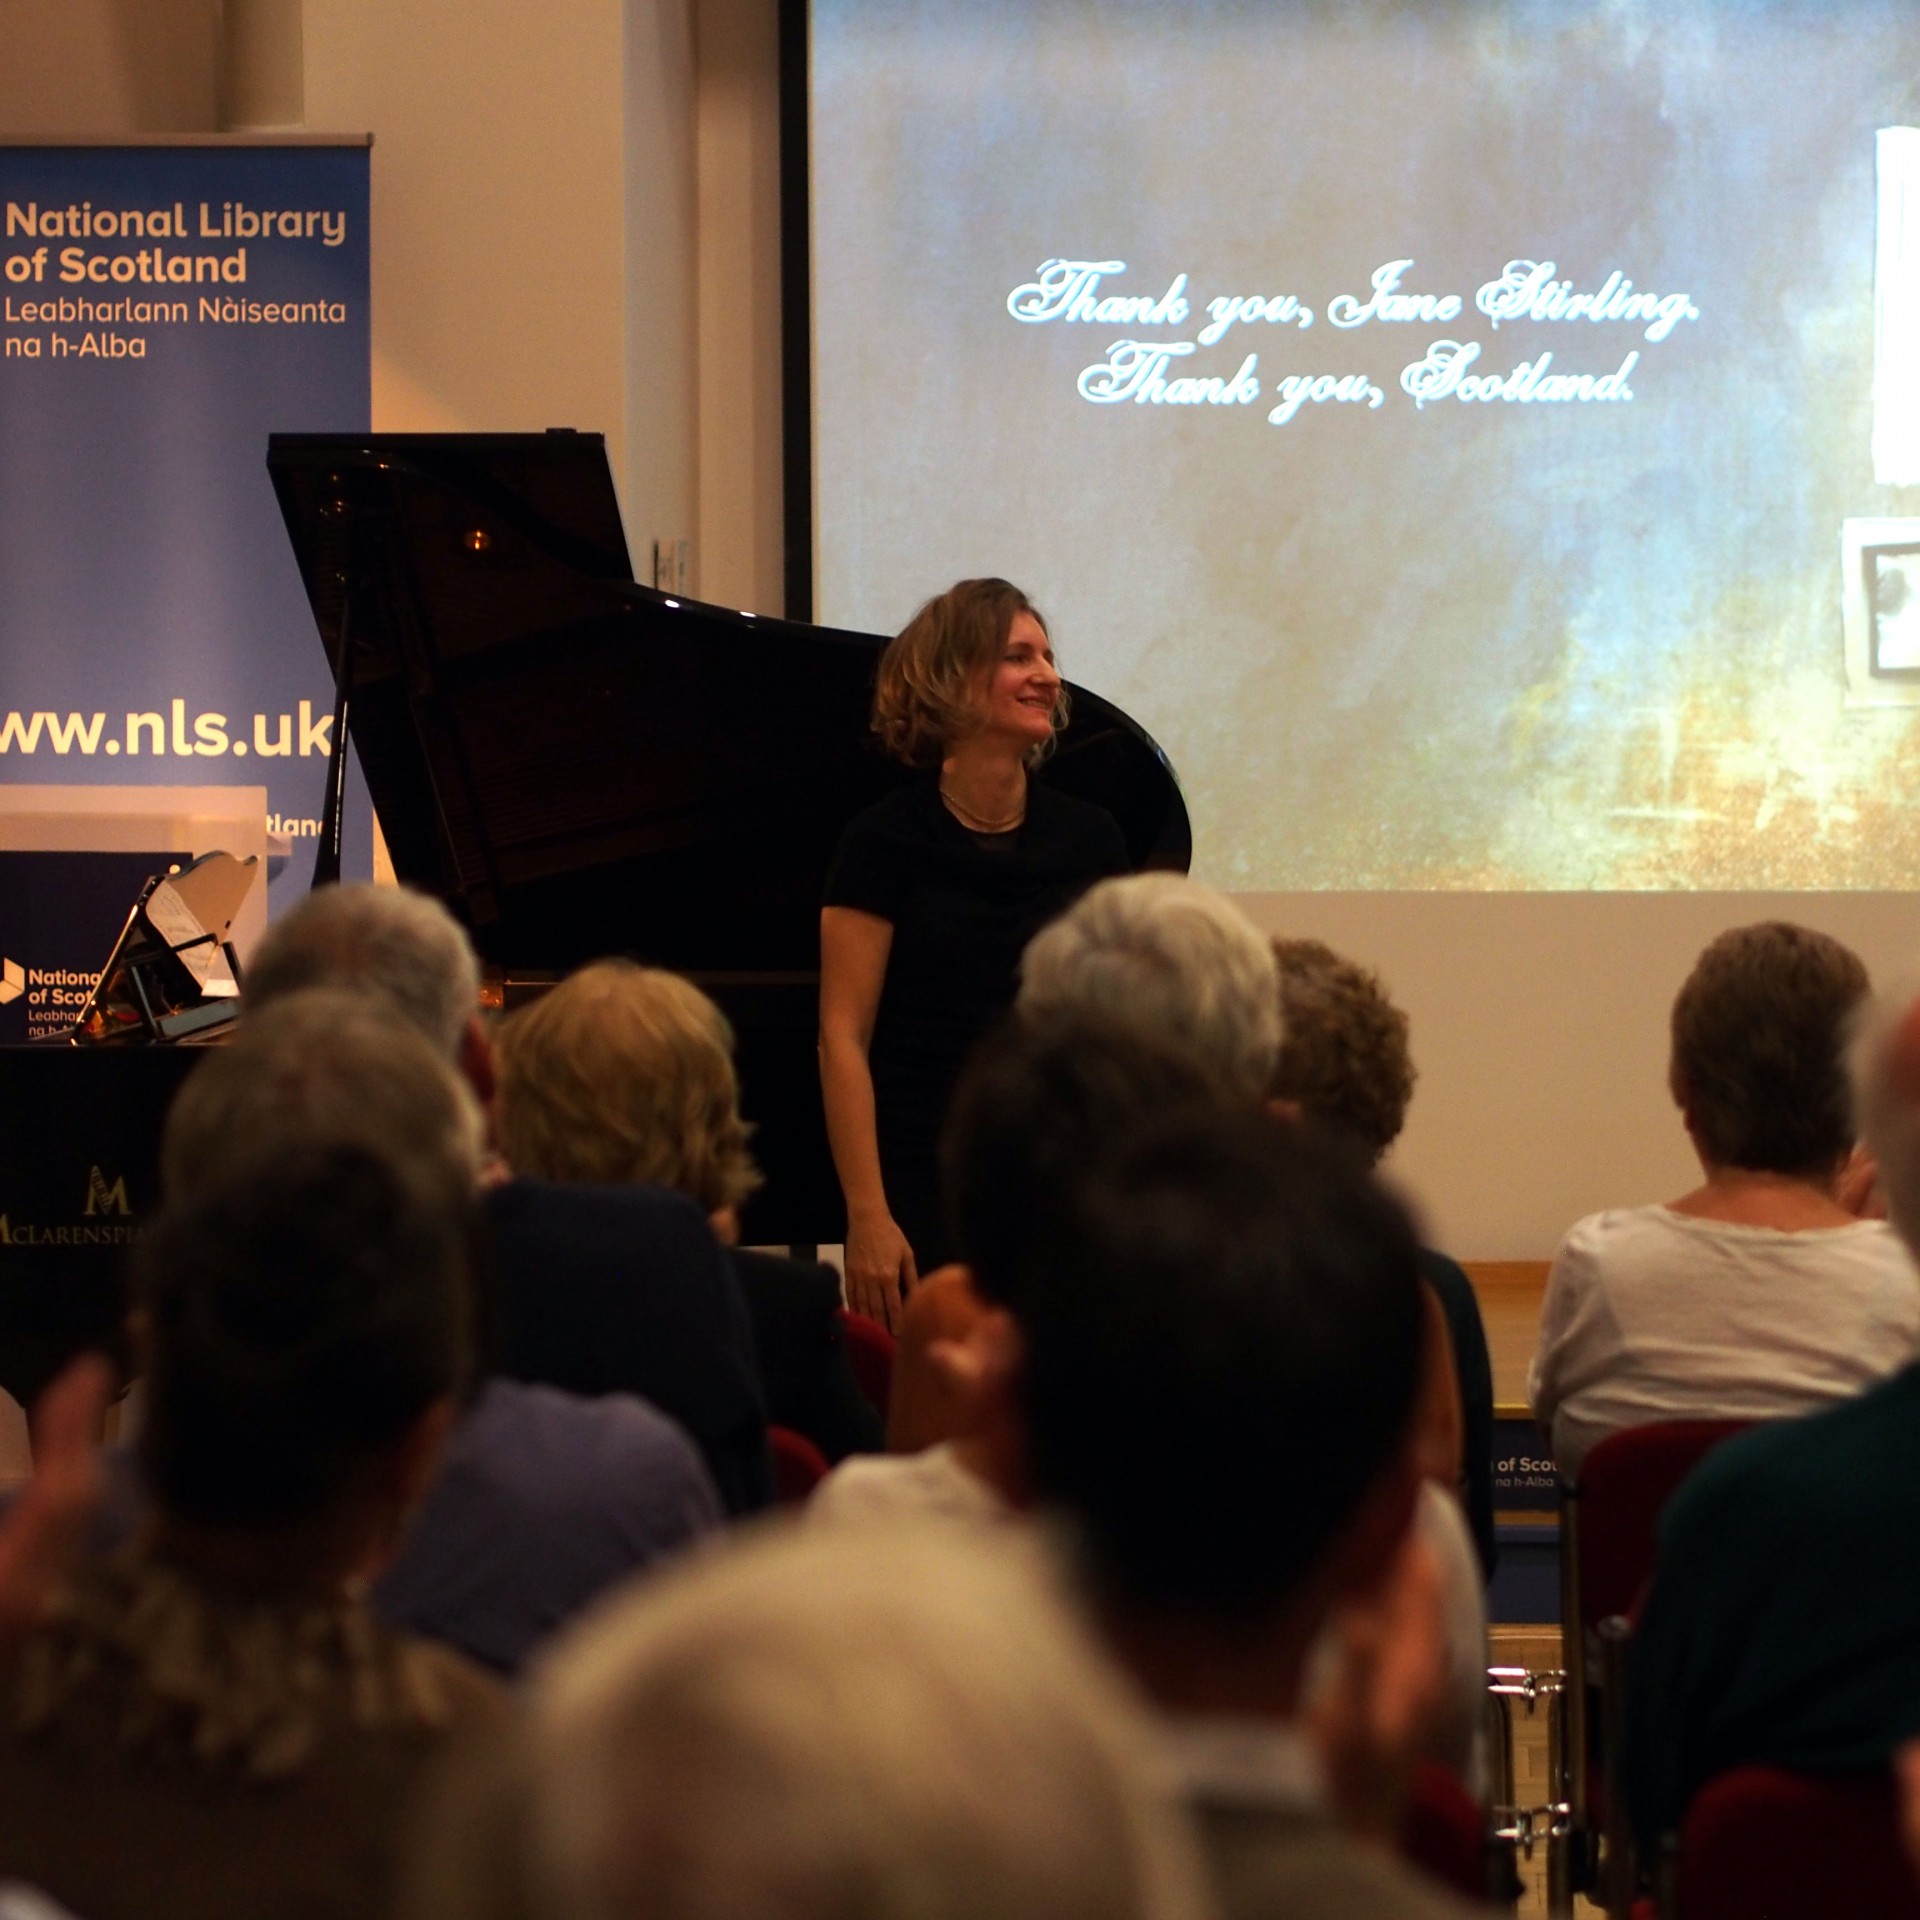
(933, 895)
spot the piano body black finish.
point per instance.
(79, 1171)
(580, 766)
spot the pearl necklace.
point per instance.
(975, 822)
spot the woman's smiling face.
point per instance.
(1023, 687)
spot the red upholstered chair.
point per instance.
(870, 1350)
(798, 1466)
(1444, 1831)
(1609, 1530)
(1760, 1844)
(1624, 1486)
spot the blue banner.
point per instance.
(63, 913)
(1525, 1478)
(162, 310)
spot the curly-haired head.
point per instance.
(1760, 1033)
(929, 691)
(625, 1073)
(1343, 1057)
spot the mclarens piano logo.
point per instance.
(103, 1197)
(105, 1219)
(13, 981)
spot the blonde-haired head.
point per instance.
(625, 1073)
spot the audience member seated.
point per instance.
(1222, 1329)
(1757, 1294)
(1782, 1627)
(210, 1723)
(626, 1290)
(1034, 1101)
(1345, 1064)
(543, 1498)
(624, 1074)
(1037, 1102)
(1168, 956)
(1164, 954)
(390, 944)
(1165, 957)
(904, 1725)
(668, 1287)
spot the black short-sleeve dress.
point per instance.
(963, 907)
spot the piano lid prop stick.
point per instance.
(326, 859)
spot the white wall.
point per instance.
(111, 67)
(741, 539)
(533, 193)
(661, 361)
(499, 206)
(536, 172)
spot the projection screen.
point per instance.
(1479, 440)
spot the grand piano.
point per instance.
(578, 765)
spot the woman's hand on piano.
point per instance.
(880, 1270)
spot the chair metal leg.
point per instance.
(1499, 1737)
(1502, 1848)
(1618, 1869)
(1571, 1787)
(1560, 1833)
(1545, 1827)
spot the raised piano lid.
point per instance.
(580, 765)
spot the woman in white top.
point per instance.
(1758, 1294)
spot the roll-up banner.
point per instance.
(163, 309)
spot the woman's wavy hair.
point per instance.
(926, 695)
(625, 1073)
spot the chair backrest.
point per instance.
(1625, 1484)
(1794, 1847)
(870, 1351)
(1609, 1530)
(798, 1466)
